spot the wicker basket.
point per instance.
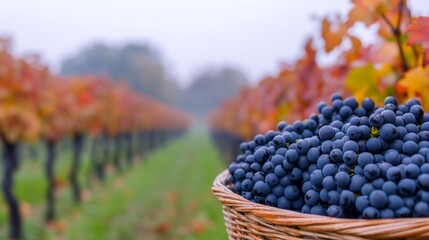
(248, 220)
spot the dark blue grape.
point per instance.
(292, 192)
(421, 209)
(334, 197)
(376, 120)
(410, 148)
(396, 145)
(281, 125)
(387, 213)
(306, 209)
(424, 126)
(423, 181)
(328, 170)
(298, 203)
(417, 111)
(342, 179)
(258, 176)
(334, 211)
(326, 133)
(277, 159)
(239, 174)
(367, 188)
(303, 163)
(255, 167)
(392, 156)
(272, 179)
(403, 212)
(261, 155)
(306, 186)
(316, 178)
(261, 189)
(388, 116)
(378, 183)
(336, 96)
(329, 183)
(313, 154)
(356, 183)
(323, 160)
(350, 158)
(360, 112)
(311, 197)
(390, 100)
(411, 137)
(412, 171)
(336, 155)
(279, 141)
(378, 199)
(285, 181)
(351, 146)
(278, 190)
(284, 203)
(361, 203)
(418, 159)
(407, 187)
(408, 118)
(394, 174)
(365, 158)
(310, 124)
(346, 111)
(327, 112)
(268, 167)
(368, 104)
(423, 195)
(388, 132)
(318, 210)
(354, 133)
(302, 147)
(391, 107)
(371, 171)
(279, 171)
(347, 199)
(370, 213)
(337, 124)
(295, 174)
(411, 127)
(389, 187)
(271, 200)
(237, 186)
(351, 102)
(365, 132)
(247, 195)
(292, 156)
(247, 185)
(395, 202)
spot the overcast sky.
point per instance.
(254, 36)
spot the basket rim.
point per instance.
(402, 227)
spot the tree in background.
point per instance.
(140, 64)
(210, 87)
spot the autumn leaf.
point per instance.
(368, 81)
(418, 31)
(333, 35)
(415, 84)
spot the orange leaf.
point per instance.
(418, 32)
(332, 37)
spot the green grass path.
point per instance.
(167, 196)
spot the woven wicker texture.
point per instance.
(248, 220)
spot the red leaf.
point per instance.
(418, 32)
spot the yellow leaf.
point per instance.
(415, 84)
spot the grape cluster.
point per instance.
(347, 160)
